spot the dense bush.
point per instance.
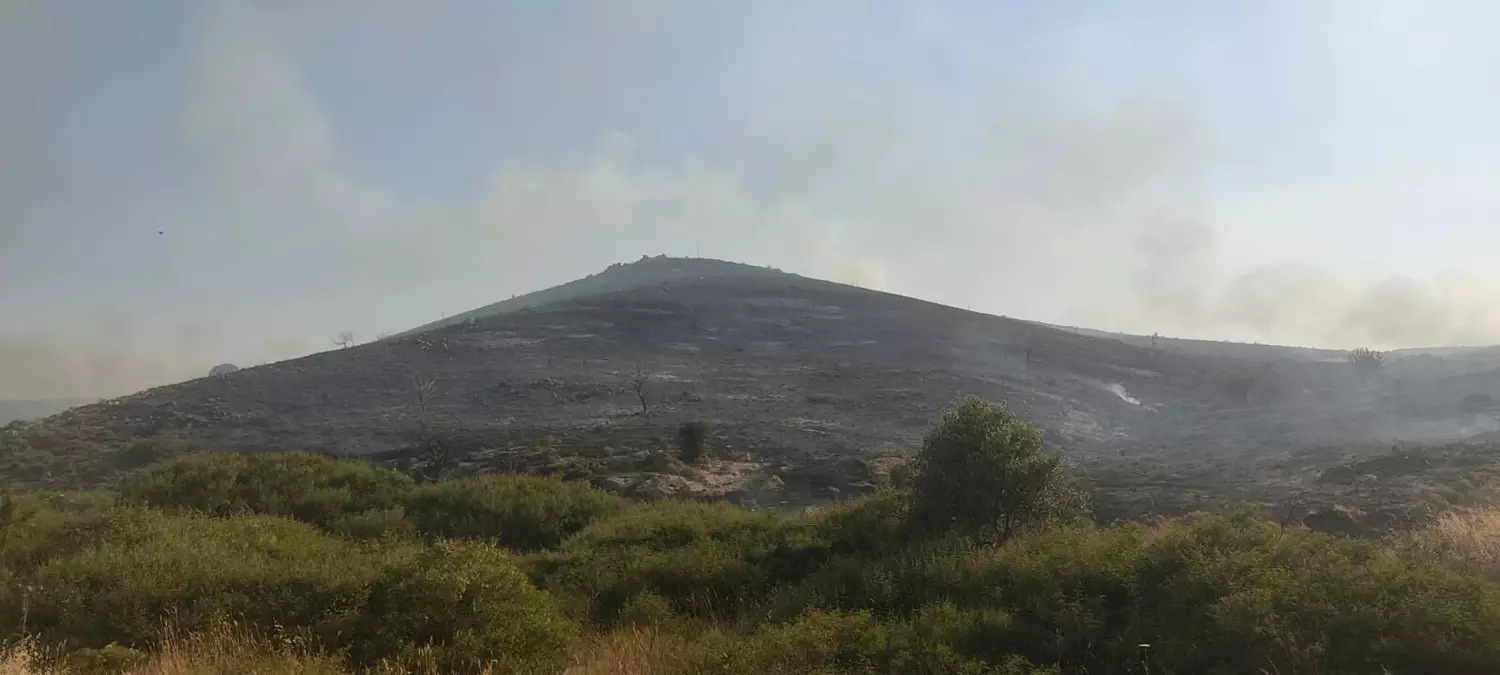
(872, 526)
(142, 567)
(707, 560)
(519, 512)
(940, 640)
(462, 608)
(982, 471)
(1223, 594)
(306, 487)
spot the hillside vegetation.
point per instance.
(298, 563)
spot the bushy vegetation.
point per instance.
(983, 566)
(306, 487)
(520, 512)
(461, 607)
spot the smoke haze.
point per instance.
(189, 183)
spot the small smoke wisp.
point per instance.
(1119, 390)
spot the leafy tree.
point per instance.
(982, 472)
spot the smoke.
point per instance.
(895, 148)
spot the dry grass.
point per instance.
(24, 658)
(227, 649)
(1471, 535)
(629, 652)
(223, 650)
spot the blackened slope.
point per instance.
(619, 277)
(777, 363)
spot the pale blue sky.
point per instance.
(1315, 172)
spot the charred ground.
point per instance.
(811, 390)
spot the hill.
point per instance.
(811, 390)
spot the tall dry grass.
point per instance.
(24, 658)
(1471, 536)
(225, 649)
(228, 649)
(630, 651)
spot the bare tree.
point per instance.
(639, 377)
(344, 339)
(1366, 361)
(425, 388)
(438, 453)
(437, 448)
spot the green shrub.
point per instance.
(59, 527)
(871, 525)
(982, 472)
(306, 487)
(519, 512)
(459, 608)
(855, 588)
(708, 560)
(1225, 594)
(648, 610)
(105, 660)
(386, 524)
(690, 439)
(150, 567)
(857, 643)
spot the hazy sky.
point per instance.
(1316, 172)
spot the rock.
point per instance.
(222, 369)
(665, 486)
(772, 485)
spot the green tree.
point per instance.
(982, 472)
